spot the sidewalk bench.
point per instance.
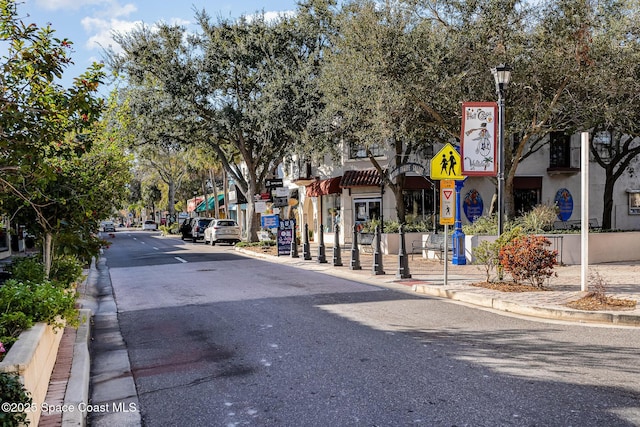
(434, 242)
(365, 242)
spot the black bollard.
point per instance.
(355, 253)
(403, 260)
(337, 256)
(306, 247)
(322, 258)
(294, 244)
(377, 255)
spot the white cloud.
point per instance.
(103, 30)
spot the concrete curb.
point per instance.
(498, 304)
(527, 310)
(78, 385)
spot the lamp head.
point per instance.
(502, 75)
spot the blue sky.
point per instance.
(90, 23)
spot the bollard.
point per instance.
(337, 256)
(377, 256)
(306, 248)
(355, 253)
(403, 260)
(322, 258)
(294, 244)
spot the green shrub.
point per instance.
(538, 220)
(485, 225)
(12, 391)
(25, 303)
(65, 270)
(27, 269)
(526, 259)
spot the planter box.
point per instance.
(603, 247)
(390, 242)
(33, 357)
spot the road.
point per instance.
(218, 339)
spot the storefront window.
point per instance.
(366, 210)
(330, 211)
(418, 204)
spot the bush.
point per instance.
(26, 303)
(27, 269)
(65, 270)
(488, 254)
(526, 259)
(539, 220)
(12, 391)
(485, 225)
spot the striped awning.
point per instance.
(323, 187)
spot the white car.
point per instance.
(149, 225)
(222, 230)
(108, 226)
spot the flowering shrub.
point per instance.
(526, 259)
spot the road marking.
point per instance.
(156, 248)
(180, 259)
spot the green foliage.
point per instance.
(84, 246)
(12, 391)
(488, 253)
(65, 270)
(24, 303)
(27, 269)
(539, 219)
(170, 229)
(485, 225)
(391, 226)
(526, 259)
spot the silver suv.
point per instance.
(198, 226)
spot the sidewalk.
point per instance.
(427, 277)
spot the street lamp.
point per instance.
(502, 75)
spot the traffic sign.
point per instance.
(446, 164)
(447, 202)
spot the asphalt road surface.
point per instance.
(218, 339)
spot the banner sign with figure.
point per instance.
(479, 138)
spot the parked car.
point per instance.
(197, 228)
(222, 230)
(185, 228)
(108, 226)
(149, 225)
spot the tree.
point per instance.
(369, 84)
(609, 106)
(249, 84)
(39, 117)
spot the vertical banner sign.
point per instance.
(447, 202)
(286, 234)
(479, 138)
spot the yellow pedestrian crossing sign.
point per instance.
(446, 164)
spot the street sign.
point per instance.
(447, 202)
(446, 164)
(273, 183)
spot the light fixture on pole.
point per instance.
(502, 75)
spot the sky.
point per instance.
(89, 24)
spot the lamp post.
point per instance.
(502, 75)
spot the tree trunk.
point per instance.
(47, 249)
(171, 195)
(607, 207)
(253, 224)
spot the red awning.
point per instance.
(416, 183)
(323, 187)
(364, 178)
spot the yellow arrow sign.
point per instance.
(446, 164)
